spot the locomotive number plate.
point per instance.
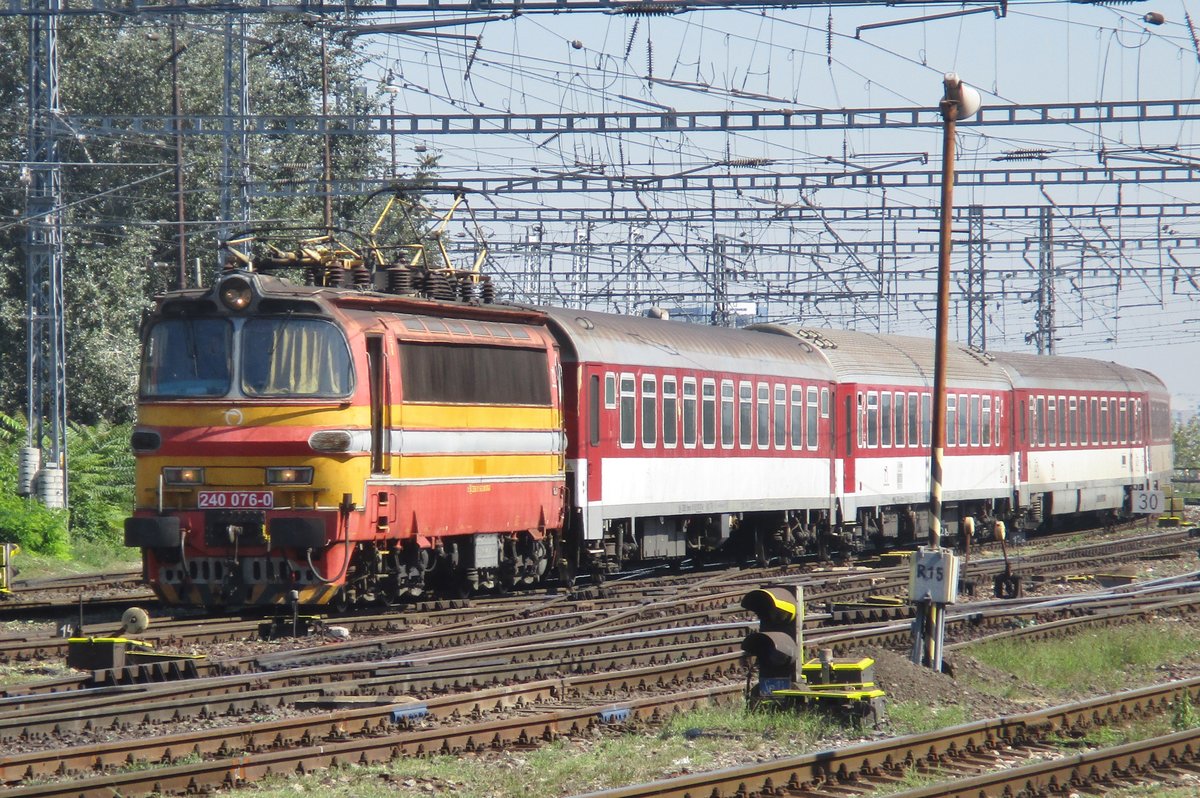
(235, 499)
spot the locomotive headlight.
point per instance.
(236, 294)
(330, 440)
(289, 476)
(183, 476)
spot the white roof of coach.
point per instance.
(894, 359)
(616, 340)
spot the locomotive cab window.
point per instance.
(295, 357)
(188, 357)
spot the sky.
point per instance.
(1125, 286)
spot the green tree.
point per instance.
(119, 226)
(1186, 437)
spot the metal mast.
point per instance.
(976, 282)
(47, 395)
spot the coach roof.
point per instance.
(591, 337)
(894, 359)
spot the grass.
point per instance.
(86, 557)
(1094, 662)
(915, 717)
(694, 741)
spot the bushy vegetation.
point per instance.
(100, 487)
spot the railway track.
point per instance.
(980, 756)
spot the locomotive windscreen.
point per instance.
(280, 357)
(188, 357)
(294, 357)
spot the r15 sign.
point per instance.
(934, 577)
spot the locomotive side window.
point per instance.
(898, 421)
(628, 401)
(811, 416)
(781, 417)
(670, 413)
(471, 373)
(763, 415)
(727, 423)
(709, 412)
(797, 416)
(975, 423)
(745, 413)
(610, 391)
(689, 411)
(987, 421)
(951, 420)
(188, 357)
(649, 411)
(594, 410)
(305, 357)
(926, 419)
(885, 419)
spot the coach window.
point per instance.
(898, 419)
(709, 414)
(811, 417)
(872, 419)
(610, 390)
(781, 417)
(964, 419)
(926, 419)
(824, 403)
(1104, 420)
(987, 421)
(975, 420)
(998, 415)
(914, 420)
(885, 419)
(1095, 425)
(1039, 421)
(1024, 422)
(649, 411)
(670, 416)
(763, 417)
(1062, 421)
(689, 412)
(628, 405)
(1052, 422)
(727, 422)
(951, 420)
(594, 410)
(1083, 421)
(1123, 422)
(745, 414)
(1073, 425)
(797, 416)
